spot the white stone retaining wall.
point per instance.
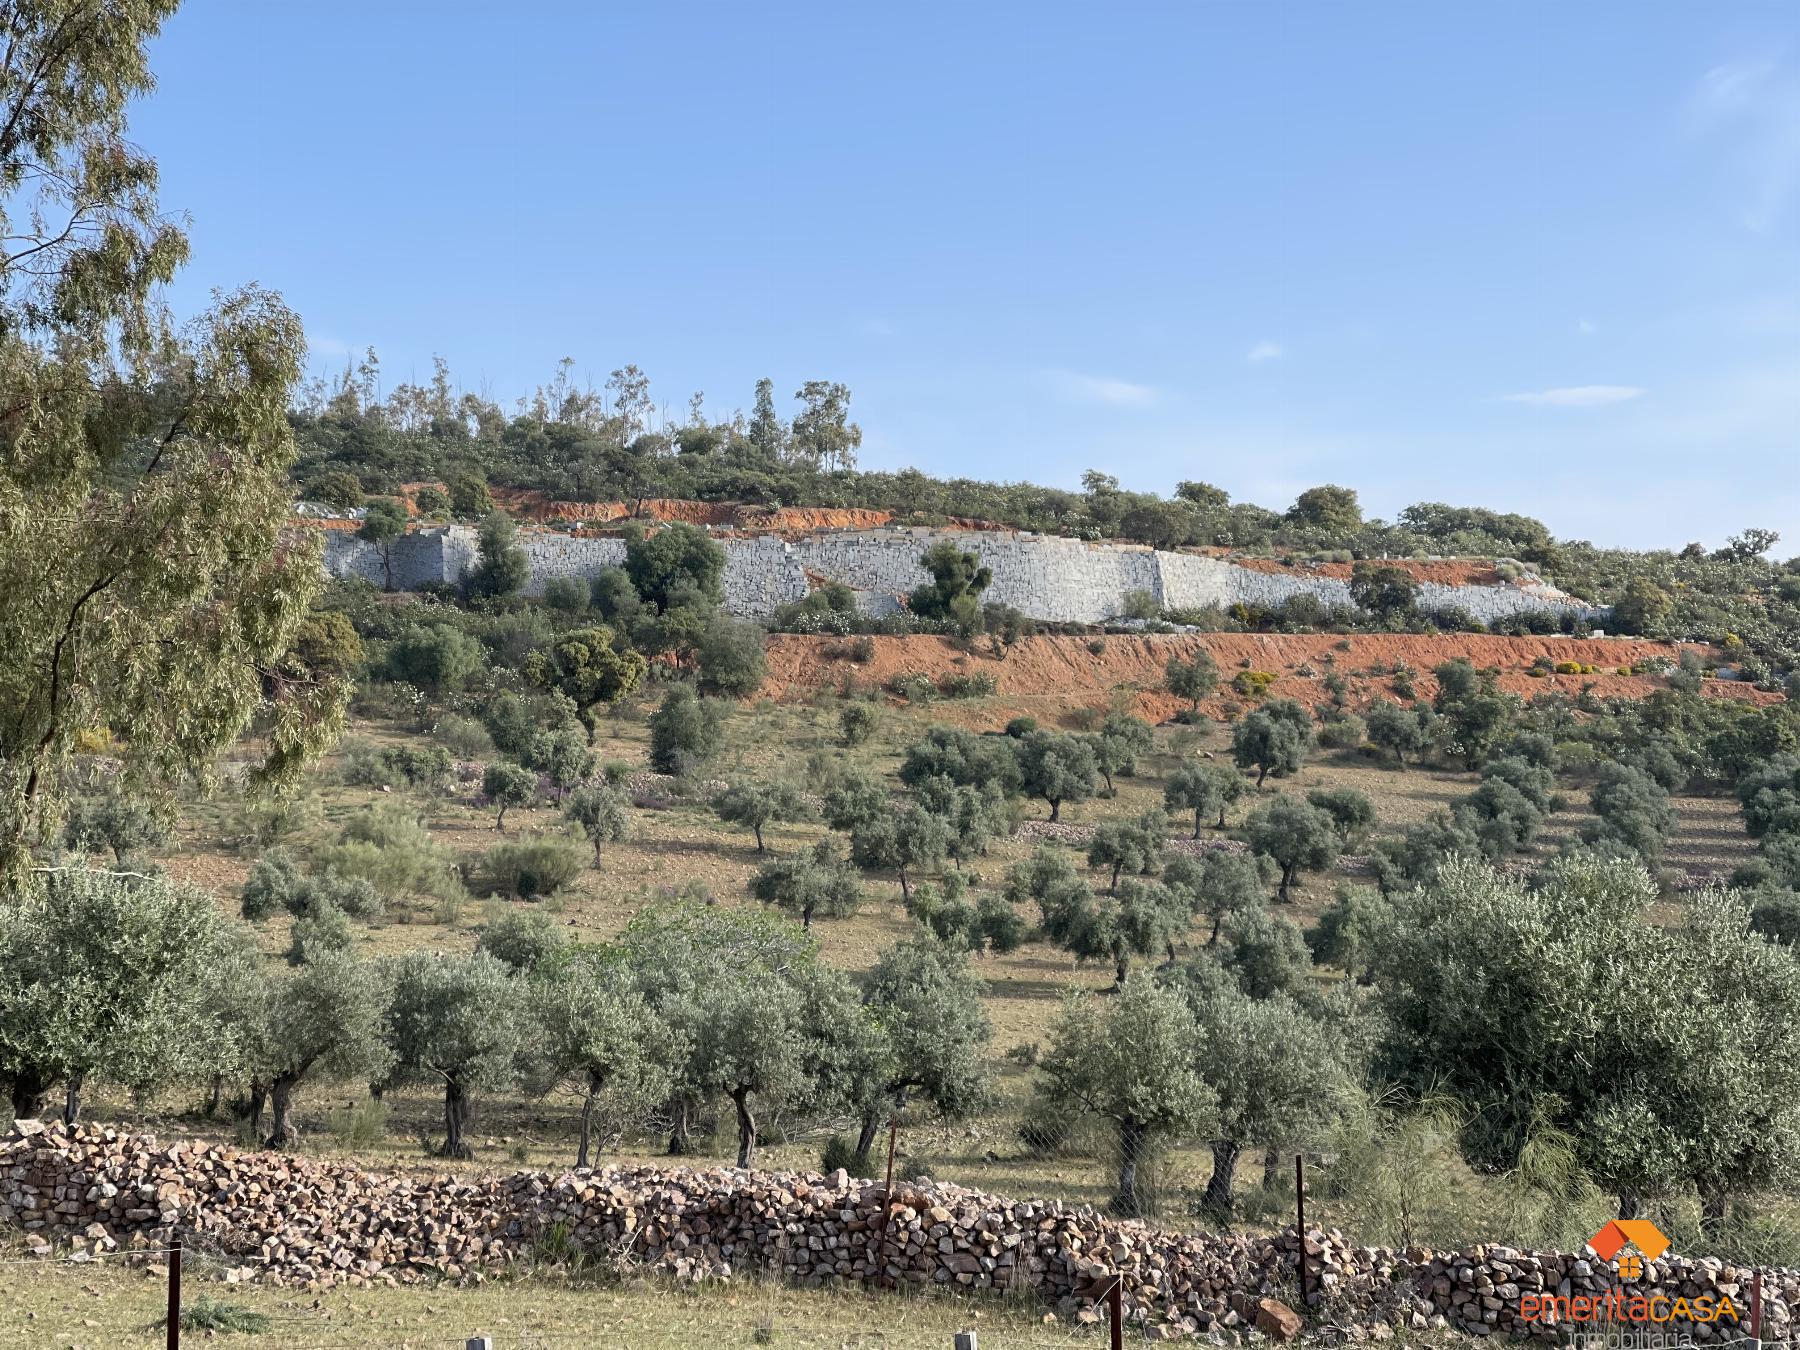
(1046, 577)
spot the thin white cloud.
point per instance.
(1101, 389)
(1577, 396)
(1266, 350)
(1755, 107)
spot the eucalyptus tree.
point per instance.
(144, 479)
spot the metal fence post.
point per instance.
(174, 1316)
(1300, 1216)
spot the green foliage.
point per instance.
(438, 658)
(817, 883)
(146, 492)
(1207, 789)
(730, 656)
(600, 813)
(1634, 812)
(586, 667)
(1350, 810)
(208, 1314)
(962, 758)
(1128, 846)
(469, 499)
(562, 757)
(858, 722)
(1266, 953)
(1056, 767)
(685, 731)
(1272, 740)
(676, 561)
(508, 785)
(501, 568)
(957, 581)
(1298, 835)
(1349, 931)
(384, 521)
(529, 869)
(911, 839)
(455, 1021)
(925, 1001)
(1278, 1077)
(1193, 679)
(1122, 739)
(1476, 715)
(1329, 507)
(108, 977)
(276, 882)
(1386, 591)
(988, 922)
(1129, 1061)
(117, 822)
(754, 806)
(524, 939)
(1667, 1058)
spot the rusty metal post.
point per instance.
(174, 1340)
(1756, 1307)
(1115, 1309)
(1300, 1217)
(887, 1201)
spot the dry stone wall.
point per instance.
(1044, 576)
(311, 1225)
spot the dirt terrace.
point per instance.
(1065, 672)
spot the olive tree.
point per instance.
(1056, 767)
(1272, 740)
(685, 731)
(1405, 731)
(1277, 1075)
(1129, 1060)
(1297, 835)
(507, 785)
(730, 657)
(600, 813)
(595, 1028)
(1118, 744)
(910, 839)
(455, 1020)
(323, 1021)
(1351, 811)
(562, 757)
(104, 976)
(1217, 885)
(815, 883)
(1670, 1059)
(1633, 809)
(1141, 919)
(118, 821)
(1193, 679)
(755, 806)
(933, 1031)
(1130, 846)
(1204, 788)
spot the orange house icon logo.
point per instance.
(1619, 1234)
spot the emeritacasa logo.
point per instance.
(1646, 1307)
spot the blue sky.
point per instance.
(1540, 257)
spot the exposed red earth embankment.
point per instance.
(1068, 671)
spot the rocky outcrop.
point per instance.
(311, 1224)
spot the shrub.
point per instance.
(323, 930)
(1140, 605)
(463, 737)
(1253, 683)
(1344, 732)
(685, 731)
(529, 869)
(960, 685)
(914, 688)
(730, 655)
(858, 721)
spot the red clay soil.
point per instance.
(1055, 673)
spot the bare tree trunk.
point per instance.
(587, 1122)
(72, 1100)
(213, 1093)
(1217, 1198)
(456, 1116)
(740, 1098)
(284, 1133)
(1132, 1138)
(1055, 810)
(253, 1108)
(678, 1132)
(865, 1137)
(1713, 1204)
(1196, 822)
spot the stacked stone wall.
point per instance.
(313, 1224)
(1045, 577)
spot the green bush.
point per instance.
(960, 685)
(464, 737)
(858, 722)
(1344, 732)
(529, 869)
